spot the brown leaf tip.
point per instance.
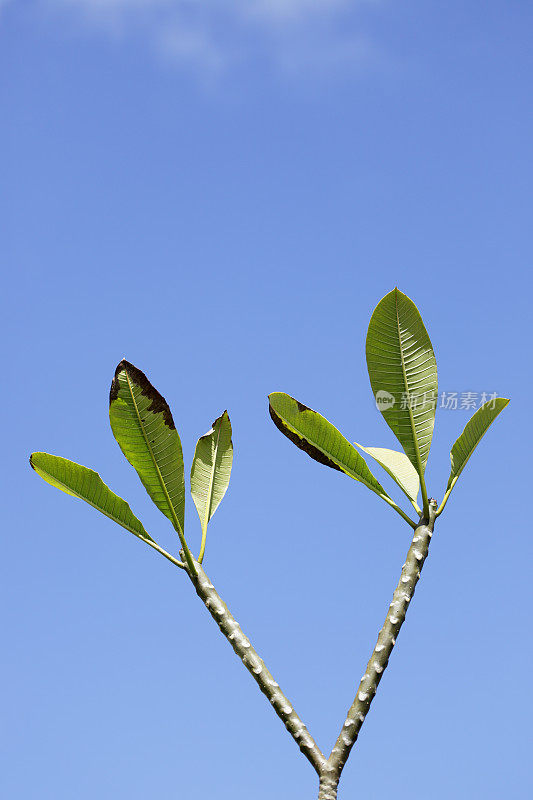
(158, 404)
(217, 419)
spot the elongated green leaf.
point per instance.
(403, 374)
(474, 430)
(86, 484)
(211, 468)
(143, 426)
(313, 434)
(398, 466)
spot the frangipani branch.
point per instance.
(401, 362)
(255, 665)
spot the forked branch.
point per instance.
(329, 770)
(403, 374)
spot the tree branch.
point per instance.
(379, 659)
(329, 771)
(255, 666)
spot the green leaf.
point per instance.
(86, 484)
(211, 470)
(403, 370)
(399, 468)
(474, 430)
(143, 427)
(313, 434)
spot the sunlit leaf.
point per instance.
(87, 485)
(403, 374)
(143, 427)
(211, 470)
(474, 430)
(313, 434)
(399, 468)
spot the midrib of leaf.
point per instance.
(212, 478)
(411, 417)
(161, 481)
(205, 520)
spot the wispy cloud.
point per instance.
(212, 36)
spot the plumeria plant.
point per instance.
(401, 364)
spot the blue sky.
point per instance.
(221, 193)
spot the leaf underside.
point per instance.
(144, 429)
(399, 468)
(84, 483)
(313, 434)
(401, 363)
(211, 468)
(474, 430)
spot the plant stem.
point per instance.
(329, 771)
(327, 788)
(159, 549)
(424, 492)
(397, 508)
(255, 666)
(444, 500)
(204, 540)
(394, 620)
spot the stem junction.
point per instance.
(328, 770)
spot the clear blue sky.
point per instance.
(221, 193)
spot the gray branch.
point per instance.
(379, 659)
(329, 770)
(256, 667)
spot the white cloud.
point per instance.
(192, 45)
(287, 10)
(213, 35)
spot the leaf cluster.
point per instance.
(401, 364)
(143, 426)
(403, 376)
